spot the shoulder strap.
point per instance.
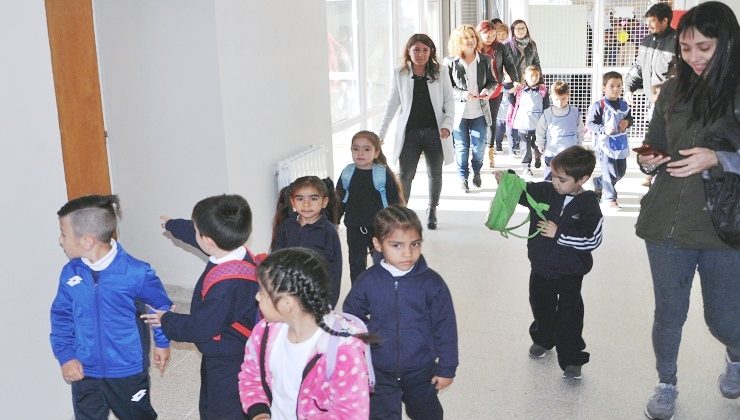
(379, 180)
(346, 177)
(263, 374)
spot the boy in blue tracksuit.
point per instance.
(94, 331)
(223, 309)
(560, 255)
(408, 305)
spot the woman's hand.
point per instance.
(698, 160)
(650, 162)
(444, 133)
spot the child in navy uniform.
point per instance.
(94, 331)
(223, 310)
(307, 225)
(361, 198)
(560, 256)
(608, 119)
(408, 305)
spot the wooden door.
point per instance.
(75, 66)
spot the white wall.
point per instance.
(32, 190)
(203, 98)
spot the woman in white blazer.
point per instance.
(424, 100)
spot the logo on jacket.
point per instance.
(74, 281)
(576, 216)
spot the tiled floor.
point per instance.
(488, 276)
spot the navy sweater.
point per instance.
(579, 231)
(364, 200)
(228, 301)
(412, 314)
(320, 236)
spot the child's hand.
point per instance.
(72, 371)
(497, 175)
(441, 383)
(609, 131)
(623, 126)
(548, 227)
(154, 318)
(161, 357)
(163, 220)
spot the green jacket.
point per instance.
(675, 208)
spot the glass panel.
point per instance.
(343, 59)
(378, 51)
(408, 21)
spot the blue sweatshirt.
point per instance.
(229, 301)
(94, 316)
(413, 315)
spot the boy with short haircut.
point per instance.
(223, 309)
(608, 120)
(94, 331)
(560, 125)
(528, 101)
(560, 255)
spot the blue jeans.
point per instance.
(501, 130)
(470, 133)
(612, 170)
(673, 271)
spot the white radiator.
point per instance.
(309, 162)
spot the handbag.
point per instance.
(503, 204)
(723, 202)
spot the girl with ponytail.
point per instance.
(302, 348)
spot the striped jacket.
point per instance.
(579, 231)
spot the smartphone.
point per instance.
(649, 150)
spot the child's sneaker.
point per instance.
(572, 372)
(729, 380)
(662, 405)
(536, 351)
(527, 173)
(537, 162)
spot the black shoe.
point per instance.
(537, 162)
(499, 148)
(432, 218)
(476, 180)
(464, 185)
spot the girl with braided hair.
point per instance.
(409, 307)
(303, 360)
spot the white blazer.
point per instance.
(402, 94)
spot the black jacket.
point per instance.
(579, 231)
(656, 57)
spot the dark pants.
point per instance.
(128, 398)
(548, 170)
(526, 143)
(219, 388)
(557, 307)
(612, 170)
(359, 241)
(494, 103)
(416, 142)
(414, 389)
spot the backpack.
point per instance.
(379, 180)
(230, 270)
(510, 189)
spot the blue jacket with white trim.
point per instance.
(579, 231)
(94, 316)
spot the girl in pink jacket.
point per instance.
(303, 361)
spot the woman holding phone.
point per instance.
(695, 109)
(472, 84)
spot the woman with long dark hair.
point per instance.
(698, 106)
(424, 103)
(523, 49)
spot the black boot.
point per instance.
(432, 218)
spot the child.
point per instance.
(560, 256)
(409, 306)
(309, 227)
(365, 187)
(608, 119)
(560, 125)
(223, 310)
(528, 101)
(94, 331)
(302, 347)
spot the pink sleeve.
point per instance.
(250, 381)
(349, 384)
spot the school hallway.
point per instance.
(488, 277)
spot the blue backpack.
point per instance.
(379, 180)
